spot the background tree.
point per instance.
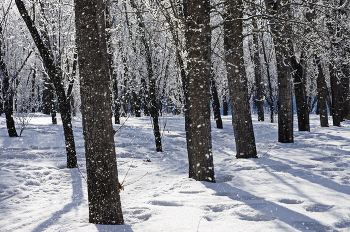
(238, 86)
(280, 10)
(152, 98)
(7, 92)
(55, 74)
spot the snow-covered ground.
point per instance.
(304, 186)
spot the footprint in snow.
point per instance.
(141, 213)
(257, 217)
(165, 203)
(225, 178)
(236, 196)
(290, 201)
(191, 192)
(221, 207)
(318, 208)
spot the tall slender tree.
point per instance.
(198, 127)
(259, 84)
(322, 93)
(7, 93)
(110, 24)
(237, 80)
(152, 98)
(300, 94)
(55, 75)
(279, 11)
(101, 164)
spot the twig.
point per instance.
(127, 172)
(200, 221)
(116, 131)
(267, 151)
(136, 180)
(81, 173)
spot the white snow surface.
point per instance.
(301, 186)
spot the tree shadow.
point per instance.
(112, 228)
(77, 199)
(279, 166)
(268, 210)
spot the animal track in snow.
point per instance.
(191, 191)
(255, 217)
(225, 178)
(165, 203)
(141, 213)
(290, 201)
(221, 207)
(318, 208)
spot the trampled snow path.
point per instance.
(304, 186)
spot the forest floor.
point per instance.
(303, 186)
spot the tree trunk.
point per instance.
(269, 98)
(300, 95)
(283, 50)
(152, 94)
(55, 74)
(322, 93)
(237, 81)
(53, 109)
(259, 84)
(215, 103)
(112, 72)
(101, 164)
(345, 96)
(336, 101)
(198, 126)
(7, 93)
(224, 106)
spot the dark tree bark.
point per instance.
(72, 76)
(345, 95)
(46, 99)
(152, 98)
(174, 30)
(259, 84)
(336, 91)
(215, 103)
(32, 96)
(300, 95)
(7, 93)
(197, 103)
(112, 72)
(225, 106)
(283, 49)
(269, 98)
(131, 95)
(55, 74)
(237, 81)
(322, 93)
(101, 164)
(53, 109)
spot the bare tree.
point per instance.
(152, 98)
(279, 12)
(101, 164)
(238, 86)
(7, 92)
(55, 75)
(198, 127)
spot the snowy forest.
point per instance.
(174, 115)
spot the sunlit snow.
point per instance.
(304, 186)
